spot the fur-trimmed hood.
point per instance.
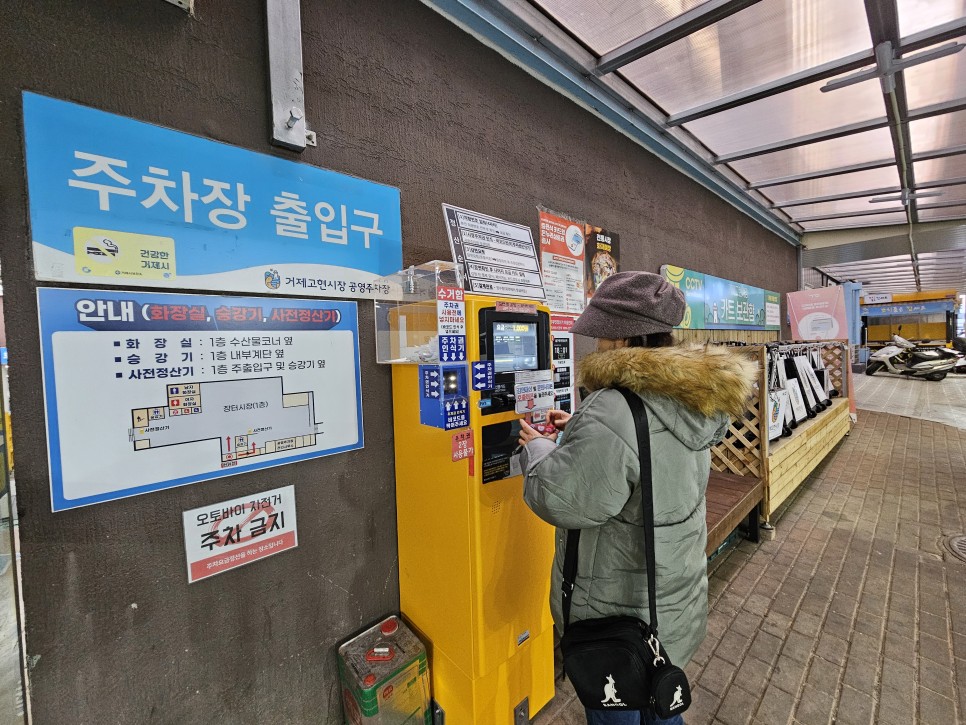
(709, 382)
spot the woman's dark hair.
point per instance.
(657, 339)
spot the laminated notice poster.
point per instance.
(564, 373)
(146, 391)
(602, 257)
(497, 257)
(562, 260)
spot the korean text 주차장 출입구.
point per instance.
(225, 202)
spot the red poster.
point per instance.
(562, 262)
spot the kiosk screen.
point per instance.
(514, 346)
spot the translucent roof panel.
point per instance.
(949, 193)
(951, 167)
(764, 42)
(830, 185)
(943, 79)
(938, 132)
(794, 113)
(935, 215)
(858, 148)
(916, 15)
(840, 206)
(603, 25)
(877, 220)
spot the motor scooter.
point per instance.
(904, 358)
(959, 351)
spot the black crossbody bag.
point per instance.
(618, 663)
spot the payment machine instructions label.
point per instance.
(457, 414)
(533, 391)
(452, 348)
(531, 397)
(450, 311)
(430, 380)
(482, 374)
(463, 445)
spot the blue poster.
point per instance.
(120, 202)
(146, 391)
(909, 308)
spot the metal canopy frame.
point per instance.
(685, 24)
(856, 61)
(891, 120)
(554, 45)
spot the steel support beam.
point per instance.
(837, 197)
(876, 212)
(847, 214)
(808, 176)
(834, 68)
(705, 14)
(942, 183)
(883, 16)
(285, 72)
(937, 109)
(852, 168)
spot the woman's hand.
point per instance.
(529, 433)
(558, 418)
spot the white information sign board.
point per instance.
(230, 534)
(146, 391)
(497, 257)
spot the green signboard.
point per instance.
(721, 304)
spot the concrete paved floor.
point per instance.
(855, 613)
(942, 402)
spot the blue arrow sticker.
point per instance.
(481, 372)
(430, 376)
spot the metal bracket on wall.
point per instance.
(187, 5)
(439, 716)
(521, 713)
(286, 80)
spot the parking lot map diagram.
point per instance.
(146, 391)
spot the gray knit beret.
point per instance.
(628, 304)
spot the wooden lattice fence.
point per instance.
(744, 446)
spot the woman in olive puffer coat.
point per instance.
(590, 481)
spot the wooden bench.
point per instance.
(730, 499)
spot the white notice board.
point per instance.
(497, 258)
(146, 391)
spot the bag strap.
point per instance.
(639, 412)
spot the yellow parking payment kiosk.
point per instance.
(474, 561)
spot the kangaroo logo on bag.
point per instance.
(610, 693)
(678, 700)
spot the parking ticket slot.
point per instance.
(474, 561)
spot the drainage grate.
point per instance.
(957, 546)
